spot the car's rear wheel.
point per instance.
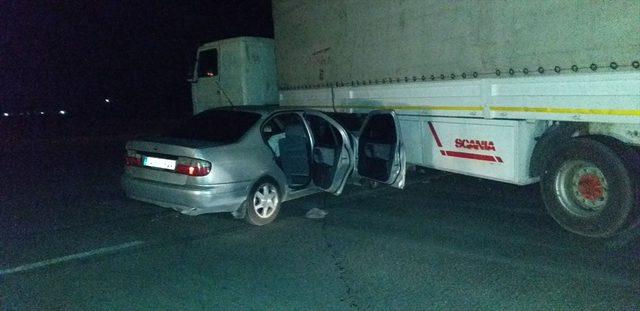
(263, 203)
(588, 189)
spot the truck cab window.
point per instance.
(208, 63)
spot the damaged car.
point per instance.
(248, 160)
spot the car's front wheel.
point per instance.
(263, 203)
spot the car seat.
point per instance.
(294, 155)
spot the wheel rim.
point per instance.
(582, 188)
(265, 200)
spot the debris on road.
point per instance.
(316, 213)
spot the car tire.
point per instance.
(588, 189)
(263, 203)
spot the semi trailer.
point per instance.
(513, 91)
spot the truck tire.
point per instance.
(263, 203)
(588, 189)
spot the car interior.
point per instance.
(287, 137)
(377, 145)
(294, 155)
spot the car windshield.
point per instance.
(223, 126)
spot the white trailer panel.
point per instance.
(610, 97)
(441, 99)
(492, 149)
(313, 98)
(613, 98)
(320, 42)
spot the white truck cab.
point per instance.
(237, 71)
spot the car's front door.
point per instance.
(381, 155)
(332, 154)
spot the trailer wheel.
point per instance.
(588, 189)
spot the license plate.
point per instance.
(165, 164)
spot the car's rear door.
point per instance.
(380, 151)
(332, 154)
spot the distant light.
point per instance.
(6, 114)
(106, 100)
(62, 112)
(41, 112)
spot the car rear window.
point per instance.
(224, 126)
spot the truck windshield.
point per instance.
(222, 126)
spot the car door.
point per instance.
(380, 151)
(332, 154)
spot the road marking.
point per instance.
(53, 261)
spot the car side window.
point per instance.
(380, 129)
(324, 134)
(274, 130)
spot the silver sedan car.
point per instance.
(248, 160)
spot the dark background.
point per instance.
(71, 56)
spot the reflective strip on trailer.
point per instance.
(607, 112)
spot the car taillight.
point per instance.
(192, 167)
(132, 158)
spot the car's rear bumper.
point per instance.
(188, 200)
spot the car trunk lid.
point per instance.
(159, 157)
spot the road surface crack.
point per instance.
(338, 263)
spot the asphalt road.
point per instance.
(70, 240)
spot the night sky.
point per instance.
(72, 55)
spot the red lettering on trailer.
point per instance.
(475, 144)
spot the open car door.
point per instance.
(332, 154)
(381, 155)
